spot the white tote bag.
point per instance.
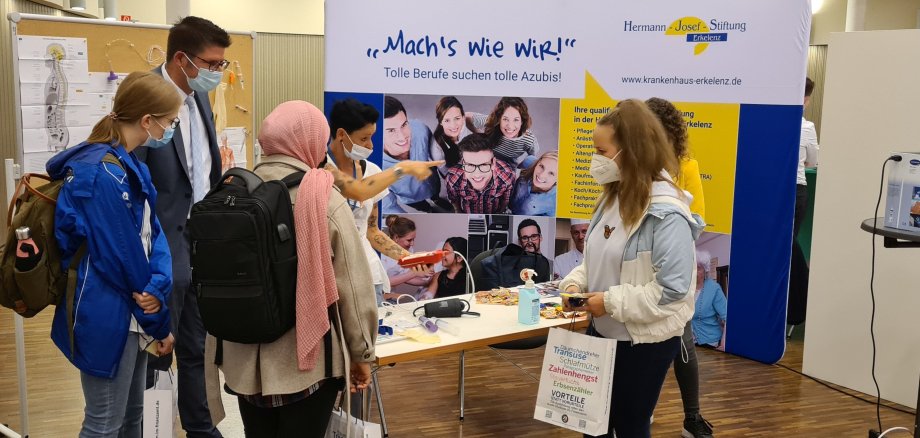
(576, 382)
(160, 406)
(339, 425)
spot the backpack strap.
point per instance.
(219, 352)
(112, 159)
(327, 341)
(293, 180)
(72, 273)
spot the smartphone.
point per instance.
(575, 300)
(152, 347)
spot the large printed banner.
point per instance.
(534, 77)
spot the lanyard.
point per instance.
(354, 205)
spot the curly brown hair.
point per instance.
(493, 123)
(673, 122)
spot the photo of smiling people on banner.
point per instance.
(421, 233)
(493, 162)
(710, 315)
(504, 245)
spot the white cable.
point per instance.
(894, 429)
(469, 274)
(398, 307)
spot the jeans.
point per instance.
(115, 407)
(688, 375)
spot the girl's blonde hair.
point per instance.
(141, 93)
(527, 174)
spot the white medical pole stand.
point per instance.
(12, 172)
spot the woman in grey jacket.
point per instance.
(639, 269)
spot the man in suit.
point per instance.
(183, 171)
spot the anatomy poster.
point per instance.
(56, 111)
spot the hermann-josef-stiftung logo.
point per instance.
(695, 30)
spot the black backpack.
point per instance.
(244, 257)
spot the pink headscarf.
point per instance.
(299, 130)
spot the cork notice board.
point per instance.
(125, 59)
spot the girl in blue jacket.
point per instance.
(124, 278)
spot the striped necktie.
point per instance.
(199, 174)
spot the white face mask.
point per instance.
(357, 152)
(605, 170)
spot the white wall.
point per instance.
(879, 15)
(144, 11)
(891, 14)
(831, 17)
(276, 16)
(869, 111)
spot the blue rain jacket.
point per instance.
(103, 205)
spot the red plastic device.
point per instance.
(422, 258)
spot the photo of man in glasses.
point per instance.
(503, 267)
(479, 184)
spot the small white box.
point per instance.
(902, 208)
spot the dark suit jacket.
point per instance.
(169, 171)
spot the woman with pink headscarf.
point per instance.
(288, 387)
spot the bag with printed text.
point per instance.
(160, 406)
(576, 382)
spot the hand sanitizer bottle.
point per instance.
(528, 299)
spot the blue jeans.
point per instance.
(115, 407)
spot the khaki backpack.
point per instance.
(31, 291)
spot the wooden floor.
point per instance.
(740, 397)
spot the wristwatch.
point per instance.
(398, 171)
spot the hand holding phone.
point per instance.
(574, 300)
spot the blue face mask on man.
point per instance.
(206, 80)
(153, 143)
